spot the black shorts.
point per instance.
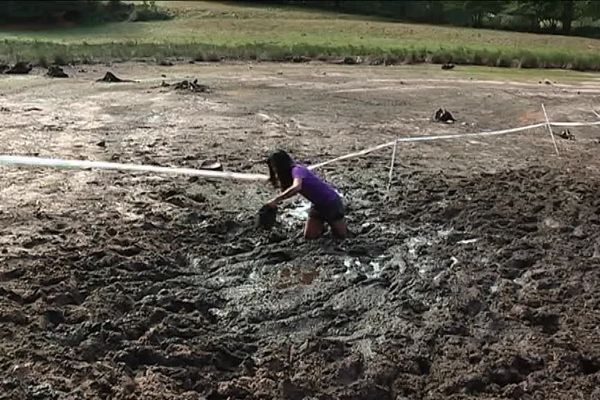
(329, 213)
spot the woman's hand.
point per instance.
(273, 203)
(289, 192)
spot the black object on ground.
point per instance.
(443, 115)
(211, 165)
(448, 66)
(20, 68)
(566, 134)
(55, 71)
(112, 78)
(267, 217)
(192, 86)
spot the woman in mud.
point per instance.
(294, 178)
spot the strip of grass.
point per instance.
(44, 53)
(211, 31)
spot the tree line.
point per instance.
(580, 17)
(77, 11)
(556, 16)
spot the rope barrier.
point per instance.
(84, 164)
(446, 137)
(80, 164)
(423, 139)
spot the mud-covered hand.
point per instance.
(272, 203)
(286, 194)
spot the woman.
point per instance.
(292, 179)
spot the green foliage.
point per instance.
(214, 31)
(551, 16)
(78, 11)
(149, 11)
(407, 54)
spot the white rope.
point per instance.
(80, 164)
(426, 138)
(575, 123)
(445, 137)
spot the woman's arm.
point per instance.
(286, 194)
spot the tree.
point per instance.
(48, 11)
(589, 8)
(567, 15)
(540, 13)
(478, 10)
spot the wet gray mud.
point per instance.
(476, 277)
(453, 287)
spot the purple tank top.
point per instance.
(314, 189)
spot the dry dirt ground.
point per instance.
(476, 277)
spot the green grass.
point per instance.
(213, 31)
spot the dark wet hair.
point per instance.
(280, 169)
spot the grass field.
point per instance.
(214, 30)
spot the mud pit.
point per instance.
(477, 277)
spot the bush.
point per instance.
(88, 12)
(528, 60)
(149, 11)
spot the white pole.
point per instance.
(595, 112)
(550, 130)
(391, 174)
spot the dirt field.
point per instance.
(475, 278)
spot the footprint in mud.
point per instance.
(51, 318)
(223, 227)
(515, 371)
(128, 251)
(289, 277)
(589, 365)
(350, 370)
(16, 273)
(277, 257)
(548, 321)
(9, 294)
(34, 241)
(290, 390)
(15, 317)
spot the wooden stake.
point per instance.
(391, 174)
(550, 130)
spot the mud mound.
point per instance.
(443, 115)
(55, 71)
(266, 218)
(191, 86)
(211, 165)
(109, 77)
(20, 68)
(299, 59)
(567, 135)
